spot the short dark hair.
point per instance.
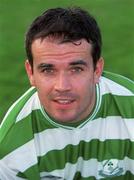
(71, 24)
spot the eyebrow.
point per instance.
(79, 62)
(45, 65)
(74, 63)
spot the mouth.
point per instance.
(64, 101)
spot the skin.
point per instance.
(64, 76)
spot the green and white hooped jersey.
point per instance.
(34, 147)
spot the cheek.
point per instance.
(85, 83)
(44, 88)
(87, 88)
(41, 83)
(83, 89)
(44, 94)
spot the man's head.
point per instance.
(67, 25)
(64, 63)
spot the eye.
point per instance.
(48, 70)
(77, 69)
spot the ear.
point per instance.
(98, 70)
(29, 71)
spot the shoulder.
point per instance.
(117, 96)
(16, 109)
(116, 84)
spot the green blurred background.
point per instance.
(116, 20)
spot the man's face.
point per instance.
(65, 78)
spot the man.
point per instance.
(75, 122)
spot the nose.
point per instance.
(63, 82)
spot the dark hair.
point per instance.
(70, 24)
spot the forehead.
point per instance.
(48, 47)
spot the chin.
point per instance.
(64, 119)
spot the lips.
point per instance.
(63, 101)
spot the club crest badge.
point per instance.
(111, 168)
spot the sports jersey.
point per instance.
(34, 146)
